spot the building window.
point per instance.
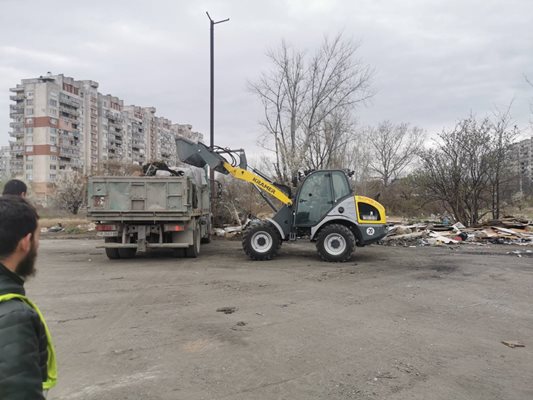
(53, 121)
(29, 111)
(29, 166)
(53, 167)
(52, 102)
(29, 130)
(29, 121)
(29, 139)
(53, 148)
(29, 158)
(53, 111)
(29, 149)
(29, 102)
(29, 177)
(52, 177)
(53, 158)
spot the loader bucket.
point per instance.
(198, 155)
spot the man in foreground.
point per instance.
(27, 357)
(15, 187)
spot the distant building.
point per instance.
(522, 161)
(59, 123)
(5, 156)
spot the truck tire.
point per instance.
(127, 253)
(261, 241)
(194, 250)
(335, 243)
(112, 254)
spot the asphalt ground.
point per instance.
(393, 323)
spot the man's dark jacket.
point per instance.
(23, 353)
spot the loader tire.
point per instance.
(335, 243)
(112, 254)
(261, 241)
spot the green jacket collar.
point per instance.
(10, 282)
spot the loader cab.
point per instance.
(319, 192)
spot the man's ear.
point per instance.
(25, 243)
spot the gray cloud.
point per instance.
(435, 62)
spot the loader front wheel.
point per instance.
(335, 243)
(261, 241)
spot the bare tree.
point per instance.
(306, 101)
(393, 149)
(71, 191)
(503, 136)
(466, 169)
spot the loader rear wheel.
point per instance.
(112, 254)
(335, 243)
(261, 241)
(194, 250)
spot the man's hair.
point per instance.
(15, 187)
(17, 219)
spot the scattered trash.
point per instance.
(508, 230)
(241, 323)
(56, 228)
(227, 310)
(513, 343)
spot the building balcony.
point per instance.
(17, 97)
(68, 101)
(69, 110)
(16, 114)
(16, 107)
(18, 88)
(16, 134)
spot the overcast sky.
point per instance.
(434, 61)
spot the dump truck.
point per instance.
(138, 213)
(324, 208)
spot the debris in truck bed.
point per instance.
(508, 230)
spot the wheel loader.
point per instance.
(324, 208)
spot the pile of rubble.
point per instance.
(509, 230)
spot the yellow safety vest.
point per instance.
(51, 362)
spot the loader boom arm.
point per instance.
(259, 182)
(199, 155)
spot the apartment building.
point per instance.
(59, 123)
(521, 154)
(5, 156)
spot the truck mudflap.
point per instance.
(371, 233)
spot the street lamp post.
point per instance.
(212, 103)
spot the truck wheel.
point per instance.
(127, 253)
(261, 241)
(178, 253)
(194, 250)
(335, 243)
(112, 254)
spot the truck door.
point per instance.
(315, 199)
